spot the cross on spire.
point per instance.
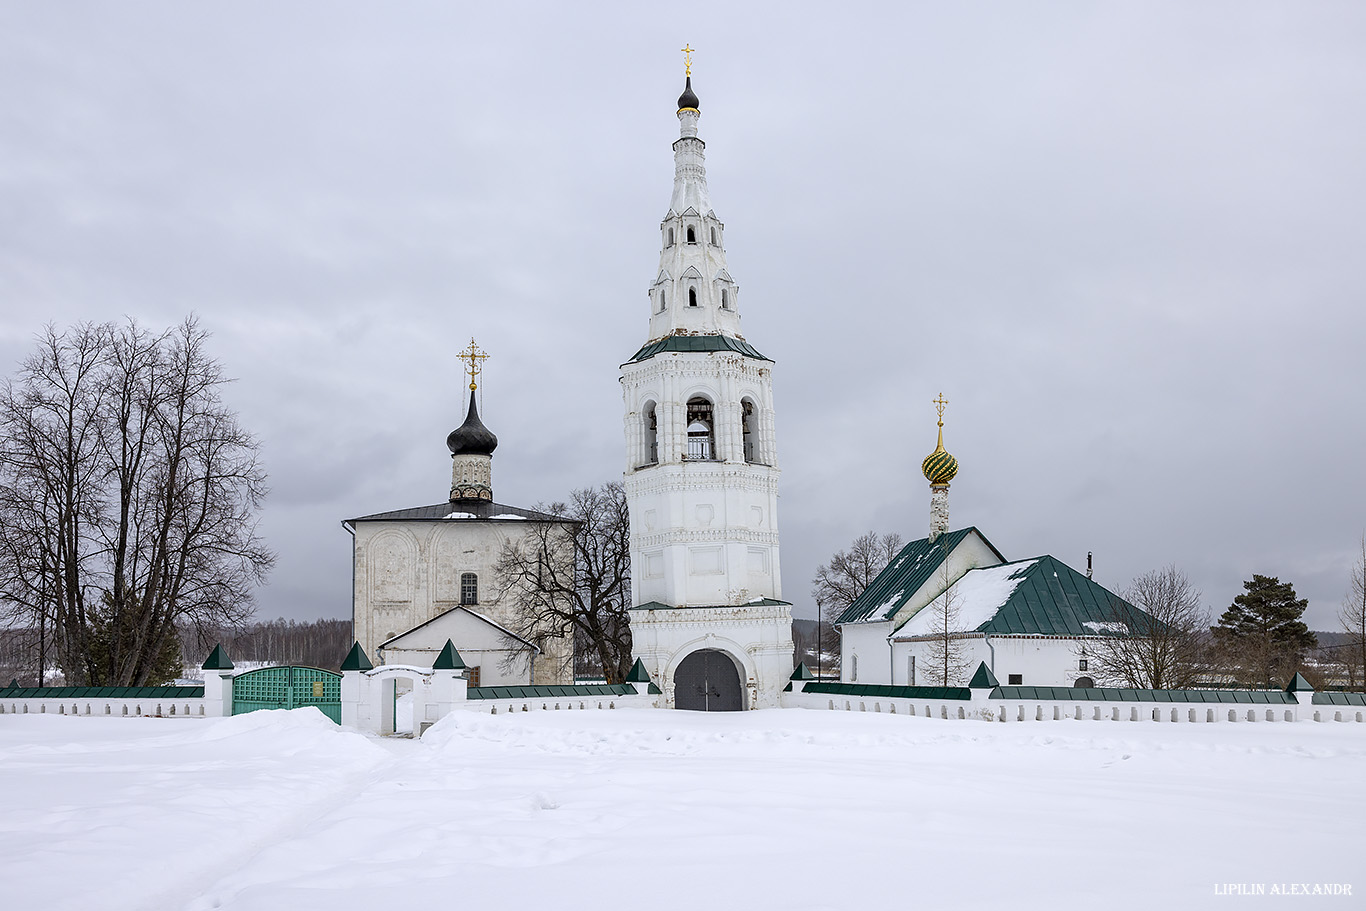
(687, 59)
(939, 404)
(473, 356)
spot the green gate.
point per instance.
(287, 688)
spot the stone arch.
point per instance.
(692, 235)
(391, 566)
(738, 655)
(1084, 683)
(384, 693)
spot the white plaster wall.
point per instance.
(864, 645)
(1039, 661)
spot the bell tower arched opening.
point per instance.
(701, 430)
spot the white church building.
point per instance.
(1030, 621)
(708, 621)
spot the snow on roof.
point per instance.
(979, 594)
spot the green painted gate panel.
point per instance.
(287, 688)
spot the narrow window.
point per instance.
(671, 237)
(661, 301)
(701, 442)
(910, 670)
(713, 237)
(692, 297)
(692, 238)
(651, 435)
(747, 425)
(725, 299)
(1081, 664)
(853, 670)
(469, 588)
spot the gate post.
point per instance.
(353, 685)
(217, 683)
(1303, 691)
(449, 689)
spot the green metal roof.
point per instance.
(757, 602)
(102, 692)
(836, 688)
(637, 673)
(702, 343)
(356, 660)
(449, 659)
(802, 672)
(1112, 694)
(1052, 599)
(902, 578)
(551, 692)
(1299, 685)
(984, 679)
(1340, 699)
(217, 660)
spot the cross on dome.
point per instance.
(687, 59)
(473, 356)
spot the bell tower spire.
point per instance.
(693, 292)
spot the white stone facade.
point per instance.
(701, 475)
(409, 571)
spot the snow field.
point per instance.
(785, 809)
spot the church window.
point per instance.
(661, 301)
(671, 237)
(1082, 664)
(469, 588)
(692, 297)
(692, 237)
(701, 440)
(651, 427)
(472, 676)
(725, 299)
(751, 437)
(1014, 679)
(713, 237)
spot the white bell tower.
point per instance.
(701, 458)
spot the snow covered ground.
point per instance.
(782, 809)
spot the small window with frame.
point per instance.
(1015, 680)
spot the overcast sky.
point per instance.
(1125, 240)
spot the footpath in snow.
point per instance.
(781, 809)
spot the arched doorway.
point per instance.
(707, 681)
(1084, 683)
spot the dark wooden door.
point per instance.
(707, 681)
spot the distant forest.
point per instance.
(317, 643)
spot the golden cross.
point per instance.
(687, 59)
(939, 404)
(473, 356)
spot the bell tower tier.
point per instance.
(701, 473)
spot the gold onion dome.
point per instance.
(940, 467)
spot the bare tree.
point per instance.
(837, 583)
(574, 579)
(128, 499)
(948, 661)
(1163, 644)
(1352, 616)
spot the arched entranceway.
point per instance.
(707, 681)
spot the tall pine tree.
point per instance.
(1262, 632)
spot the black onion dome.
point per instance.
(472, 437)
(688, 99)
